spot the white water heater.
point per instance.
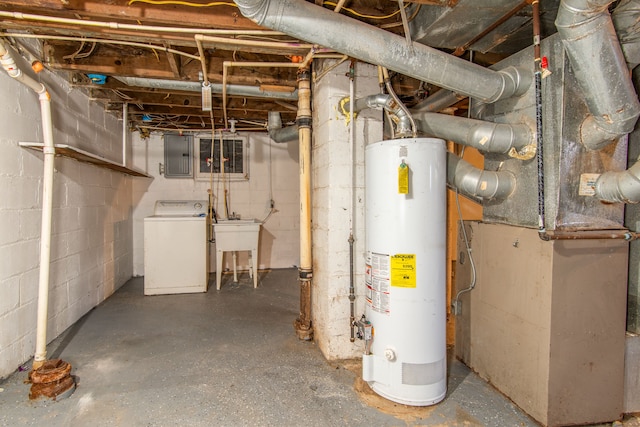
(406, 358)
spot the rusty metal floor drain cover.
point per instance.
(52, 380)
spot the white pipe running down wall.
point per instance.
(9, 64)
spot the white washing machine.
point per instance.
(176, 250)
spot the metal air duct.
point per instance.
(593, 48)
(314, 24)
(487, 137)
(385, 102)
(477, 183)
(626, 20)
(239, 90)
(279, 134)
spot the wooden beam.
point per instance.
(139, 62)
(222, 16)
(174, 62)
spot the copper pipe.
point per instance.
(589, 235)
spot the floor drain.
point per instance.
(52, 380)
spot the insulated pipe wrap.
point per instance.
(376, 46)
(593, 48)
(473, 182)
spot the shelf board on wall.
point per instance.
(65, 150)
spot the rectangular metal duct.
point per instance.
(567, 162)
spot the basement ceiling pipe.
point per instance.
(487, 137)
(9, 64)
(301, 19)
(590, 41)
(279, 134)
(238, 90)
(477, 183)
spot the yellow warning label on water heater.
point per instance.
(403, 178)
(403, 270)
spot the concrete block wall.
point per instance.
(271, 165)
(332, 205)
(91, 252)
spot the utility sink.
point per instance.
(237, 235)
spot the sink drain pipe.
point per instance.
(48, 380)
(302, 324)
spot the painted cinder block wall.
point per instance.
(271, 166)
(332, 205)
(91, 254)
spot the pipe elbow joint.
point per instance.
(496, 185)
(515, 82)
(255, 10)
(491, 137)
(618, 187)
(487, 185)
(597, 132)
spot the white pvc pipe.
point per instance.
(45, 231)
(48, 149)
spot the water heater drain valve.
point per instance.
(365, 332)
(389, 354)
(364, 329)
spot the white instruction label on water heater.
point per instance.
(377, 280)
(588, 184)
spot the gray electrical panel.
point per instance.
(178, 156)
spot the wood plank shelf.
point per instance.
(65, 150)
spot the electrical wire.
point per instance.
(468, 247)
(78, 55)
(399, 24)
(361, 15)
(184, 3)
(222, 3)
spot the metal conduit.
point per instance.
(367, 43)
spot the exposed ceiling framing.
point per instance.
(141, 38)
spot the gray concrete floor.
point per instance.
(225, 358)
